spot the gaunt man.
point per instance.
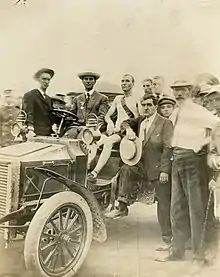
(126, 107)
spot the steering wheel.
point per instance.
(64, 114)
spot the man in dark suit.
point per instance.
(155, 132)
(88, 102)
(38, 105)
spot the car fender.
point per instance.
(99, 228)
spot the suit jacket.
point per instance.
(156, 148)
(38, 110)
(97, 104)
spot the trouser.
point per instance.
(163, 193)
(187, 203)
(73, 132)
(128, 179)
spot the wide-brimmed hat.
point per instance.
(89, 73)
(130, 150)
(58, 99)
(44, 70)
(181, 83)
(167, 100)
(214, 89)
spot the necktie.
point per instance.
(87, 97)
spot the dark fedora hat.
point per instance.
(89, 73)
(44, 70)
(166, 100)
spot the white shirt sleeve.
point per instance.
(209, 119)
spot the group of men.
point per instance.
(163, 143)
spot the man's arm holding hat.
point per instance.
(130, 126)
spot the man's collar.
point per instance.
(41, 91)
(151, 118)
(89, 92)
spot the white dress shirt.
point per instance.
(90, 93)
(145, 126)
(191, 123)
(42, 92)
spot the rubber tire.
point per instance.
(36, 227)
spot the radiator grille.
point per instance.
(4, 170)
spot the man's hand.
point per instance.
(110, 128)
(164, 178)
(117, 130)
(130, 134)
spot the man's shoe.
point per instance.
(170, 258)
(117, 213)
(164, 247)
(196, 267)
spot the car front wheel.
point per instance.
(59, 236)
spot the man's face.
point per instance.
(8, 99)
(166, 110)
(88, 82)
(148, 107)
(147, 86)
(181, 93)
(126, 83)
(214, 102)
(44, 80)
(157, 86)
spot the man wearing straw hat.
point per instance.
(89, 102)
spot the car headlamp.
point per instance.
(16, 129)
(87, 136)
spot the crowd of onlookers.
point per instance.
(167, 144)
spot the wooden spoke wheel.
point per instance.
(59, 236)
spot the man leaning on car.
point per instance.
(38, 105)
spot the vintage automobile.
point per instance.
(44, 198)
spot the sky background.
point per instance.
(172, 38)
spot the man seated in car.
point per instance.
(125, 106)
(89, 102)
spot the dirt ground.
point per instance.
(128, 252)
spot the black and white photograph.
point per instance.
(109, 138)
